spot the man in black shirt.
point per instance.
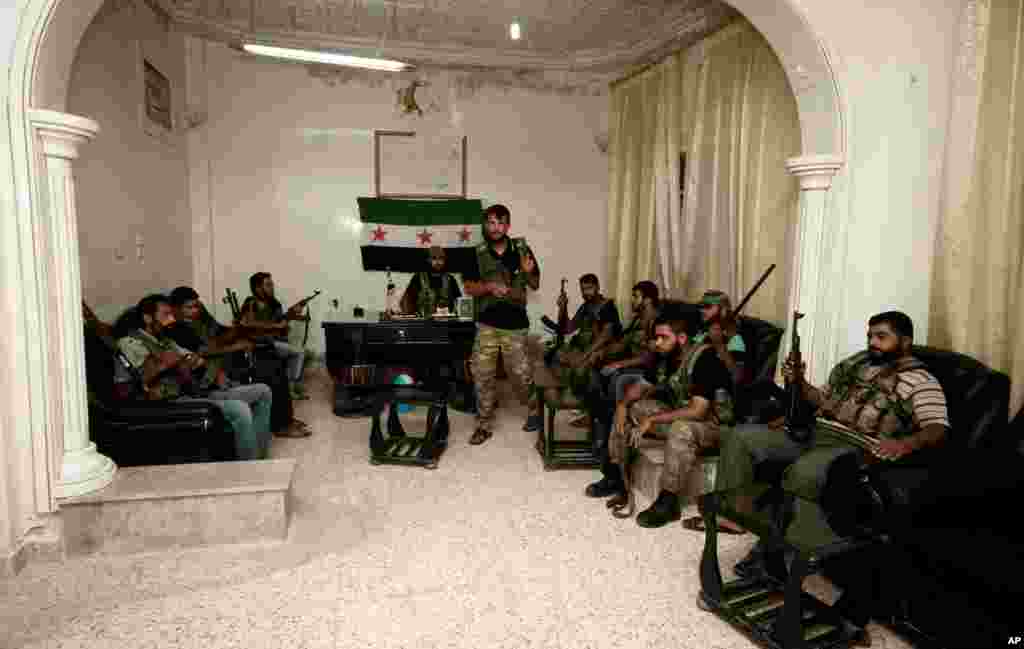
(686, 407)
(506, 268)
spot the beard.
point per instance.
(878, 357)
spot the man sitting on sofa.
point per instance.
(680, 409)
(169, 371)
(880, 404)
(196, 329)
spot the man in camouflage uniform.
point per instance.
(506, 268)
(433, 289)
(595, 325)
(885, 398)
(684, 408)
(197, 329)
(168, 371)
(262, 310)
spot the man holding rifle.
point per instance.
(881, 404)
(262, 311)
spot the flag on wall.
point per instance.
(397, 233)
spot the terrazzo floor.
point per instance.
(488, 550)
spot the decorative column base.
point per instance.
(83, 471)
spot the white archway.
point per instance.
(38, 393)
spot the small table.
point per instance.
(774, 612)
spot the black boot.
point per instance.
(610, 485)
(533, 423)
(664, 510)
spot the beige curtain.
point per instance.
(727, 104)
(977, 300)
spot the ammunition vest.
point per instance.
(870, 405)
(428, 299)
(492, 270)
(167, 387)
(678, 383)
(587, 332)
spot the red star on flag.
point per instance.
(464, 234)
(378, 234)
(424, 237)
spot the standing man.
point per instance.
(506, 267)
(433, 289)
(261, 310)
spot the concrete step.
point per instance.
(152, 508)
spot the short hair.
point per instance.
(590, 278)
(899, 321)
(256, 281)
(148, 304)
(676, 316)
(648, 289)
(499, 211)
(183, 294)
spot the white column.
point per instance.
(82, 469)
(816, 283)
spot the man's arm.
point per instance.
(696, 409)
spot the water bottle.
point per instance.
(723, 407)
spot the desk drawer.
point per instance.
(406, 334)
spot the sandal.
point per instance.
(696, 523)
(480, 436)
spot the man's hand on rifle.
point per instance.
(527, 263)
(794, 372)
(893, 449)
(498, 290)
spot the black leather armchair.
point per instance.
(951, 566)
(135, 432)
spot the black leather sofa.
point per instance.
(952, 572)
(135, 432)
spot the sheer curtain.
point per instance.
(727, 105)
(977, 300)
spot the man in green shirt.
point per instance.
(715, 308)
(168, 372)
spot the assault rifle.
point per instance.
(560, 326)
(231, 299)
(298, 306)
(799, 420)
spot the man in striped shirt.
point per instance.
(880, 404)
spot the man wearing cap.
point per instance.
(715, 311)
(431, 289)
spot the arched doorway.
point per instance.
(48, 440)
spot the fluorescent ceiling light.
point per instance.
(514, 31)
(312, 56)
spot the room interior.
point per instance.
(875, 166)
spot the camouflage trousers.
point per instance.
(683, 441)
(512, 345)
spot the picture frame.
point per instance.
(407, 166)
(156, 106)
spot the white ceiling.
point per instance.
(606, 38)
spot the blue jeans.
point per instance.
(247, 410)
(295, 357)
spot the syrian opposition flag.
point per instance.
(397, 233)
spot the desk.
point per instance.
(358, 349)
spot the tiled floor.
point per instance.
(489, 550)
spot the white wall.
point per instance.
(283, 157)
(894, 65)
(129, 183)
